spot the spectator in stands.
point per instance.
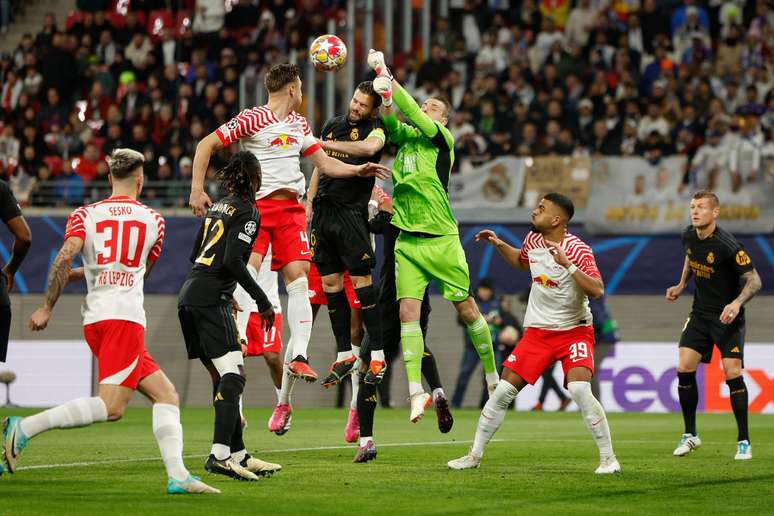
(653, 121)
(729, 16)
(731, 95)
(729, 56)
(138, 50)
(755, 53)
(745, 157)
(491, 58)
(58, 68)
(11, 90)
(5, 15)
(33, 80)
(245, 14)
(571, 62)
(549, 34)
(530, 144)
(767, 120)
(44, 38)
(9, 148)
(69, 187)
(26, 46)
(86, 164)
(41, 194)
(751, 106)
(208, 19)
(548, 88)
(579, 23)
(436, 68)
(106, 48)
(603, 142)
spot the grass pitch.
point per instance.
(540, 463)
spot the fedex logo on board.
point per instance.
(645, 380)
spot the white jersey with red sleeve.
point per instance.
(556, 302)
(119, 236)
(276, 143)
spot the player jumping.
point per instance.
(558, 326)
(276, 134)
(428, 247)
(120, 241)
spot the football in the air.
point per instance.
(328, 53)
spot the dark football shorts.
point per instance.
(702, 333)
(208, 331)
(340, 241)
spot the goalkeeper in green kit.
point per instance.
(428, 247)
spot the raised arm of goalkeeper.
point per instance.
(427, 120)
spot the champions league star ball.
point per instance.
(328, 53)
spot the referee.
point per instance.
(12, 216)
(717, 261)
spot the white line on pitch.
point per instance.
(281, 450)
(342, 447)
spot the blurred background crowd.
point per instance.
(528, 78)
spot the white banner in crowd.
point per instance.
(631, 195)
(48, 372)
(496, 184)
(641, 377)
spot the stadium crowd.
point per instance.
(590, 77)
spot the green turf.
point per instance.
(541, 463)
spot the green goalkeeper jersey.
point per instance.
(420, 173)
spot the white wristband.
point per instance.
(572, 268)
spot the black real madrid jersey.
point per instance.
(352, 192)
(717, 263)
(225, 238)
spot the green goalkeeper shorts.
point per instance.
(419, 260)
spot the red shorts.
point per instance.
(283, 225)
(120, 350)
(260, 341)
(317, 295)
(540, 348)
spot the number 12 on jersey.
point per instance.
(210, 237)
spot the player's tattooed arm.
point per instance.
(57, 279)
(76, 275)
(674, 291)
(60, 270)
(752, 284)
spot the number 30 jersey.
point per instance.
(119, 236)
(220, 252)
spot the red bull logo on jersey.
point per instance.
(545, 281)
(284, 141)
